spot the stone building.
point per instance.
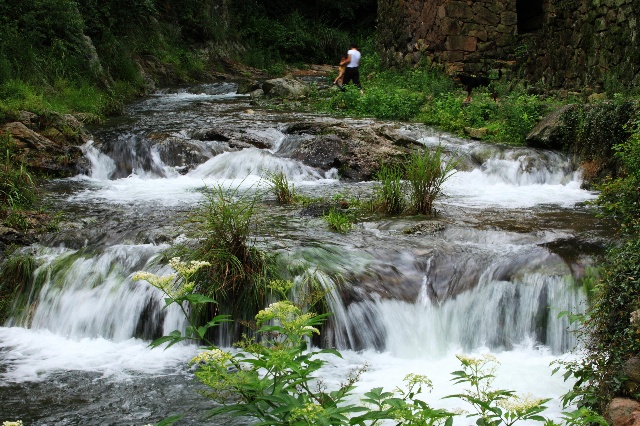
(557, 44)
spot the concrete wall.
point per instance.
(558, 44)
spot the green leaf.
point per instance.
(173, 337)
(330, 351)
(169, 420)
(198, 298)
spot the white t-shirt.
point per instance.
(355, 58)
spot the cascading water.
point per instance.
(493, 278)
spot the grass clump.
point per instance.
(17, 186)
(16, 275)
(280, 187)
(339, 220)
(238, 271)
(391, 191)
(414, 187)
(426, 173)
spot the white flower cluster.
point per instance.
(186, 269)
(308, 411)
(214, 356)
(163, 283)
(470, 360)
(417, 379)
(282, 310)
(520, 404)
(16, 423)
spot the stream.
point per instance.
(515, 234)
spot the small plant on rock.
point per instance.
(338, 220)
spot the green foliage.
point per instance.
(391, 190)
(520, 114)
(17, 186)
(280, 187)
(609, 333)
(426, 173)
(300, 32)
(16, 274)
(427, 94)
(493, 406)
(238, 271)
(339, 220)
(41, 38)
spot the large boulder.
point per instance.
(551, 131)
(356, 151)
(623, 412)
(52, 148)
(631, 370)
(285, 88)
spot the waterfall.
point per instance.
(85, 295)
(488, 280)
(497, 315)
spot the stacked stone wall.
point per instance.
(578, 44)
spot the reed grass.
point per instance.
(280, 187)
(426, 173)
(391, 190)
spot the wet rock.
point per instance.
(248, 86)
(357, 151)
(285, 88)
(319, 209)
(256, 94)
(476, 133)
(550, 132)
(424, 228)
(235, 137)
(623, 412)
(29, 119)
(184, 154)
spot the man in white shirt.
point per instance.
(352, 74)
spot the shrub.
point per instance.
(521, 113)
(609, 333)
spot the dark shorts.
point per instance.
(352, 75)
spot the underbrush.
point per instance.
(610, 331)
(503, 112)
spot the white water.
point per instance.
(87, 315)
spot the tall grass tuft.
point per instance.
(426, 172)
(240, 272)
(391, 189)
(17, 186)
(16, 275)
(280, 187)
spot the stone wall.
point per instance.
(559, 44)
